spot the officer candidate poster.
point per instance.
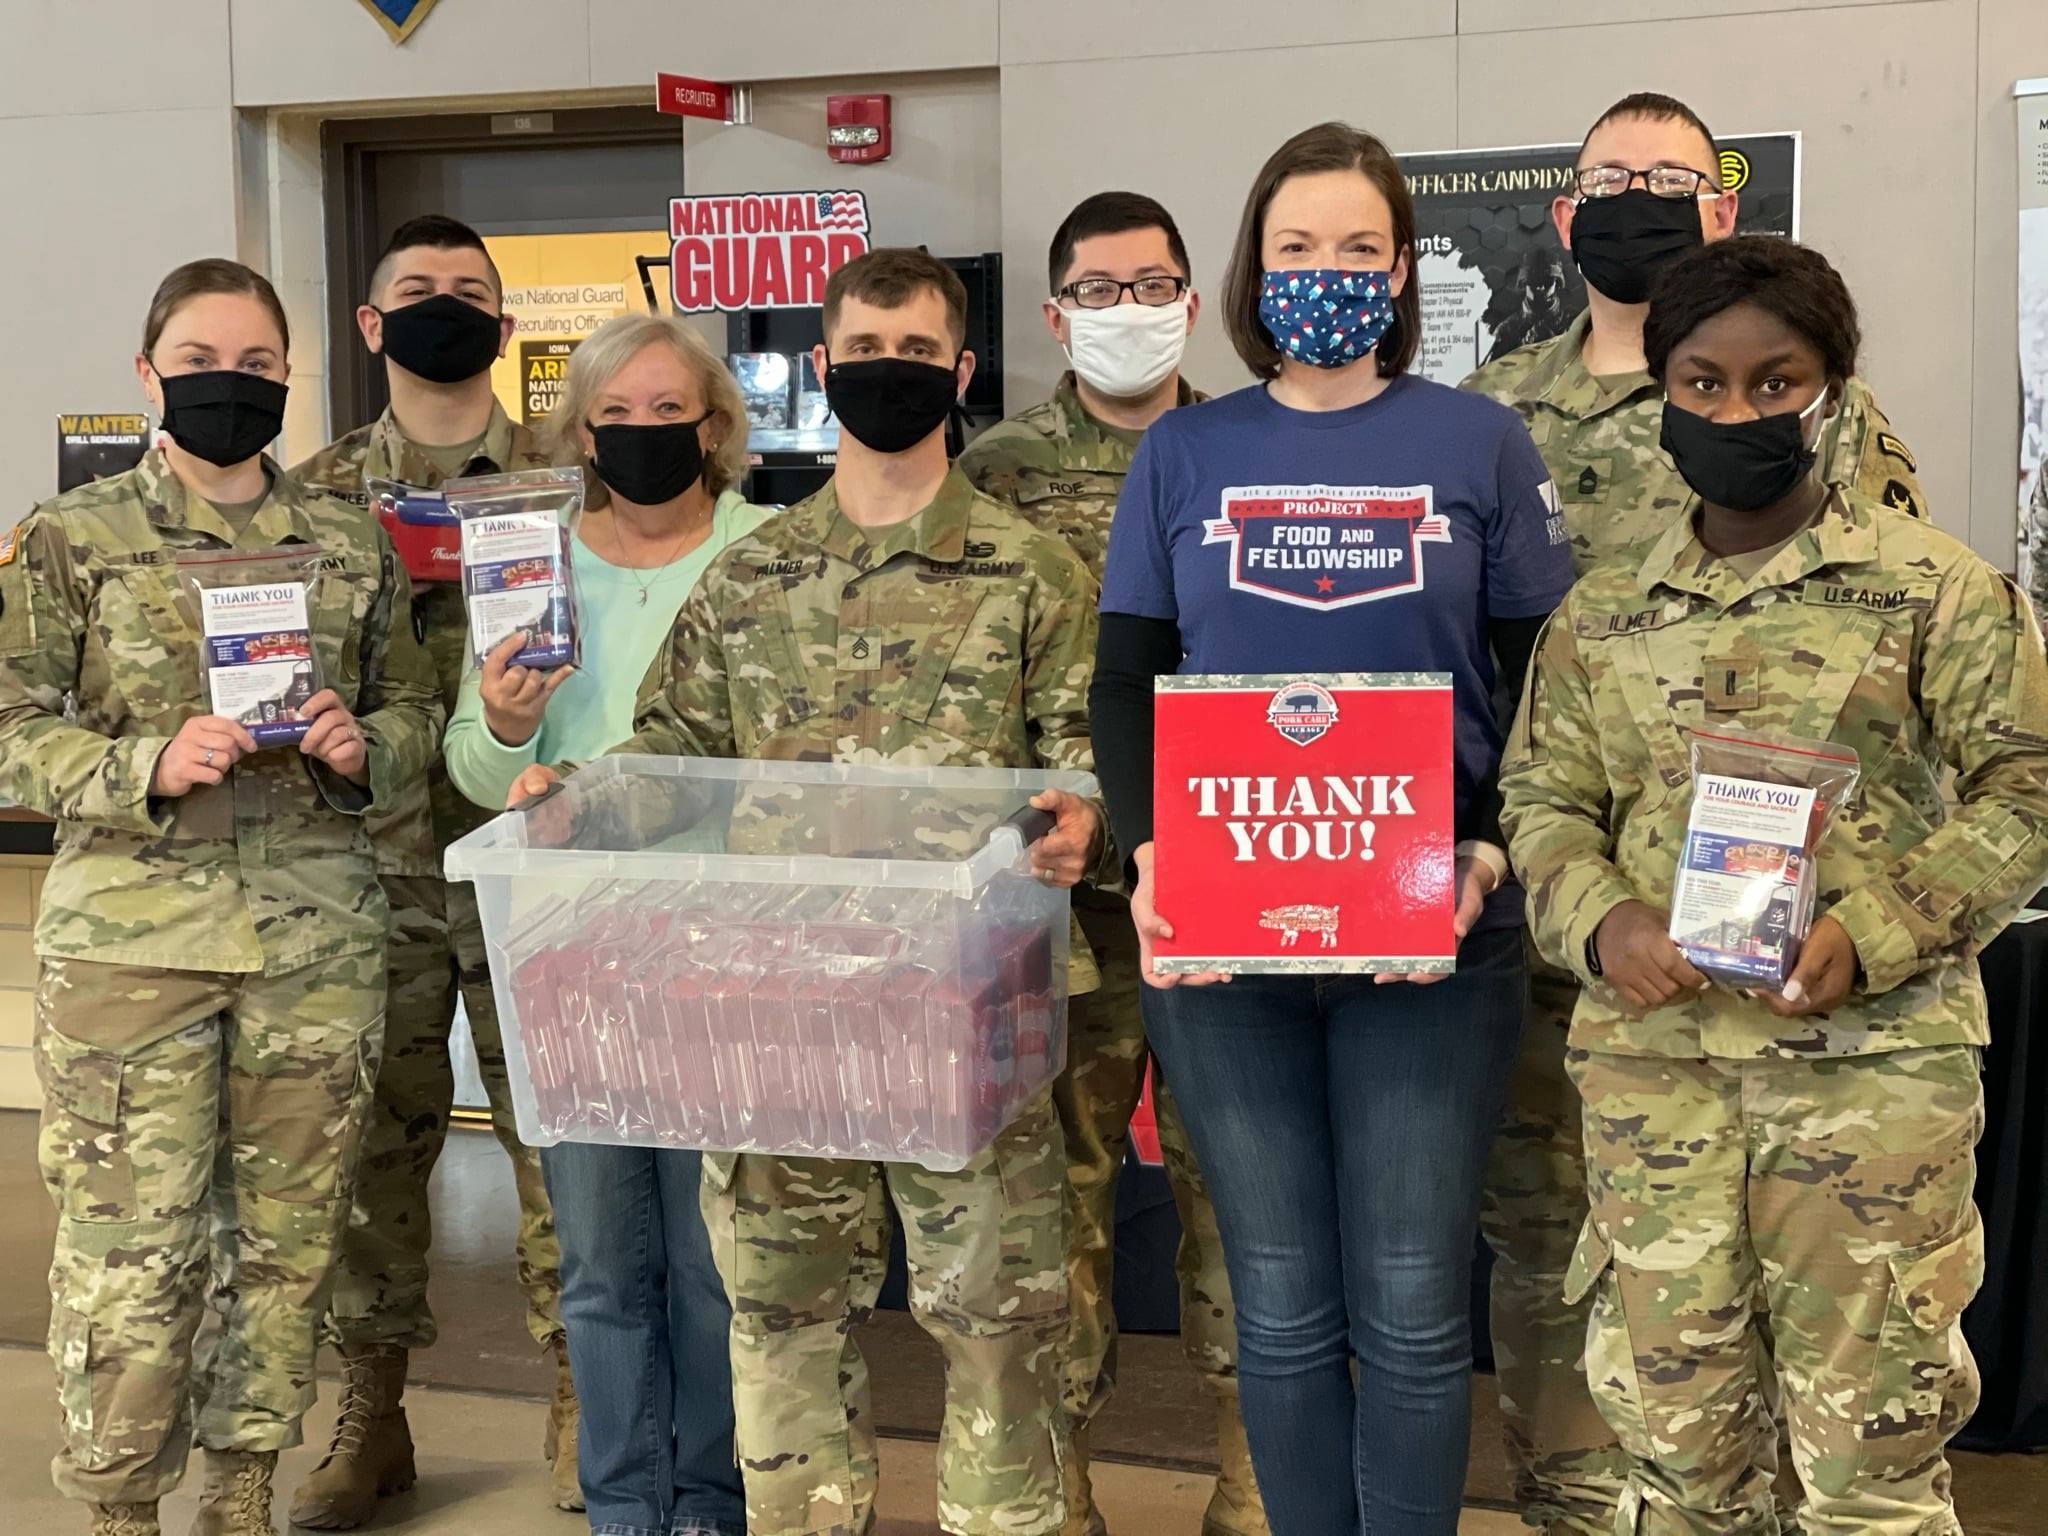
(1494, 274)
(1304, 824)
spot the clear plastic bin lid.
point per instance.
(682, 818)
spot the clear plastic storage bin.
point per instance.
(803, 958)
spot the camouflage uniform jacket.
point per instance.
(267, 871)
(1600, 441)
(431, 813)
(1060, 467)
(2036, 532)
(1872, 630)
(962, 637)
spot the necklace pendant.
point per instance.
(643, 597)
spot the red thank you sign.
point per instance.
(1304, 824)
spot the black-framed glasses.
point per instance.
(1672, 181)
(1107, 292)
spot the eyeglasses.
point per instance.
(1107, 292)
(1672, 181)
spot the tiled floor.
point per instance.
(476, 1413)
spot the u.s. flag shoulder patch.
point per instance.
(10, 541)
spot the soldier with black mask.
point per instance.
(1647, 189)
(435, 314)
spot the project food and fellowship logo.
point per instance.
(1326, 546)
(1302, 712)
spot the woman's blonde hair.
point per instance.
(598, 359)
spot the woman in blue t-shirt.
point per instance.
(1341, 1122)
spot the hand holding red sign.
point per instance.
(1304, 826)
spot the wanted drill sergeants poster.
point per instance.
(1494, 274)
(1303, 825)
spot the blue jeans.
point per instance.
(648, 1325)
(1342, 1128)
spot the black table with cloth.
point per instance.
(2007, 1326)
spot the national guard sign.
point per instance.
(1303, 825)
(1326, 546)
(761, 250)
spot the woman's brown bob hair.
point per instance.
(1325, 147)
(211, 275)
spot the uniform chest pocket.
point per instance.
(150, 643)
(1078, 506)
(338, 606)
(765, 673)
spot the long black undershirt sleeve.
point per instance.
(1129, 653)
(1513, 642)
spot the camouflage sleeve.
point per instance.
(1497, 380)
(989, 467)
(1984, 692)
(1882, 467)
(1059, 658)
(2034, 538)
(399, 702)
(1557, 806)
(684, 708)
(46, 763)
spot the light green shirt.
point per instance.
(593, 709)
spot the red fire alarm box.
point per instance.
(857, 128)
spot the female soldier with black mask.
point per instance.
(1805, 1152)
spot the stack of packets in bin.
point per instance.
(826, 1025)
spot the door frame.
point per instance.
(355, 387)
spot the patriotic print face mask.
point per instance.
(1326, 317)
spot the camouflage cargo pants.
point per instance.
(146, 1074)
(795, 1242)
(1835, 1194)
(1569, 1469)
(380, 1288)
(1095, 1096)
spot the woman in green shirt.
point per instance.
(661, 424)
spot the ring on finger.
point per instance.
(207, 759)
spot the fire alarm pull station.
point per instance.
(857, 128)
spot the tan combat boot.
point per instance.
(237, 1497)
(371, 1454)
(1234, 1508)
(125, 1520)
(1083, 1518)
(564, 1417)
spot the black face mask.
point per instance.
(891, 403)
(443, 339)
(1622, 243)
(1744, 466)
(649, 466)
(223, 417)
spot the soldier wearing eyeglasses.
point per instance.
(1647, 188)
(1120, 306)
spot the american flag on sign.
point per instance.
(842, 210)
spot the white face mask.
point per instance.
(1129, 350)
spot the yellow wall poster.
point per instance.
(559, 289)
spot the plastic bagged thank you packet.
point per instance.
(1747, 876)
(254, 625)
(516, 570)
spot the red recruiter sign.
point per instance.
(1303, 825)
(686, 96)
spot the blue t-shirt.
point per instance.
(1380, 538)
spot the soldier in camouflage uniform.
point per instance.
(2036, 534)
(1061, 464)
(1781, 1172)
(1598, 434)
(380, 1310)
(211, 932)
(896, 616)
